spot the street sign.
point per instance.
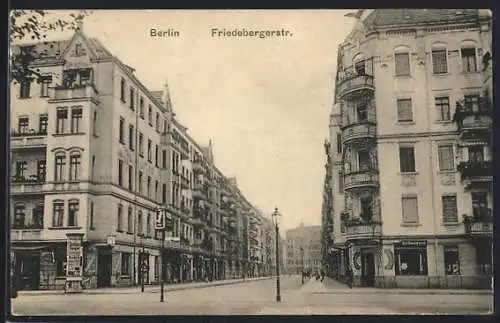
(160, 219)
(174, 239)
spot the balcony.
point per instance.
(198, 167)
(474, 121)
(26, 234)
(359, 131)
(480, 223)
(362, 230)
(28, 139)
(351, 83)
(360, 179)
(199, 192)
(184, 182)
(27, 185)
(75, 93)
(476, 173)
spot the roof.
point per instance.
(402, 17)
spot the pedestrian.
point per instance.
(322, 275)
(349, 276)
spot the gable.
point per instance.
(78, 53)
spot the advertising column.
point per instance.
(74, 263)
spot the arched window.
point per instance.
(359, 63)
(439, 58)
(402, 61)
(468, 53)
(19, 216)
(60, 166)
(139, 223)
(119, 218)
(73, 208)
(38, 216)
(57, 213)
(74, 165)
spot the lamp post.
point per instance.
(302, 263)
(161, 226)
(276, 216)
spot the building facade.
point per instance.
(303, 249)
(94, 154)
(410, 149)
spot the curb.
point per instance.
(413, 292)
(156, 289)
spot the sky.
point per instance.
(264, 103)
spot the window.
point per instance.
(131, 137)
(23, 125)
(410, 209)
(140, 181)
(141, 107)
(363, 160)
(60, 164)
(62, 117)
(157, 267)
(132, 97)
(450, 213)
(21, 167)
(60, 258)
(157, 125)
(148, 224)
(58, 214)
(19, 217)
(402, 63)
(443, 108)
(164, 193)
(469, 63)
(446, 158)
(78, 50)
(341, 183)
(24, 90)
(410, 261)
(139, 223)
(479, 204)
(72, 213)
(362, 112)
(476, 153)
(141, 144)
(41, 170)
(74, 166)
(156, 190)
(439, 61)
(407, 159)
(38, 216)
(164, 159)
(125, 264)
(119, 218)
(120, 172)
(130, 221)
(130, 177)
(94, 124)
(76, 119)
(360, 67)
(122, 89)
(91, 217)
(157, 155)
(122, 130)
(451, 260)
(339, 143)
(92, 174)
(405, 113)
(150, 115)
(43, 124)
(149, 150)
(366, 208)
(149, 186)
(471, 102)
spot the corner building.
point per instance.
(94, 152)
(410, 150)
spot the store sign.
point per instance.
(411, 244)
(74, 261)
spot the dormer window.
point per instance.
(78, 50)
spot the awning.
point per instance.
(31, 248)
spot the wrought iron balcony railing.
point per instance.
(475, 169)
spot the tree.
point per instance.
(35, 25)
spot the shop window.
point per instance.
(125, 264)
(411, 261)
(451, 260)
(60, 258)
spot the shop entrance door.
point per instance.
(28, 269)
(104, 270)
(368, 269)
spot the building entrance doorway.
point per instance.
(368, 270)
(104, 263)
(28, 270)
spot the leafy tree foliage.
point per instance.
(35, 25)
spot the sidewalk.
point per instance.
(147, 288)
(331, 286)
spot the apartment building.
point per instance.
(303, 249)
(410, 149)
(94, 154)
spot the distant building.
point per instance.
(303, 249)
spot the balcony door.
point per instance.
(363, 160)
(476, 153)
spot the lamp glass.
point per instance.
(276, 216)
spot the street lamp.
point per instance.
(302, 263)
(276, 216)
